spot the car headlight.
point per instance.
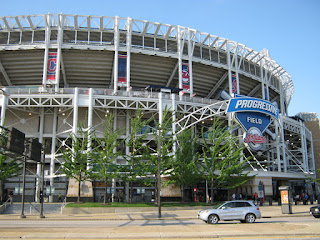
(316, 210)
(202, 211)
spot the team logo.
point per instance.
(234, 83)
(255, 139)
(255, 124)
(52, 66)
(185, 76)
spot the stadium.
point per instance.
(60, 70)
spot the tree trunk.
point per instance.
(182, 194)
(106, 187)
(105, 192)
(79, 190)
(131, 192)
(156, 193)
(211, 190)
(1, 191)
(125, 191)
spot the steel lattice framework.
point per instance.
(87, 86)
(137, 36)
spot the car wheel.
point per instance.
(250, 218)
(213, 219)
(316, 216)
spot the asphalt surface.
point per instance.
(174, 224)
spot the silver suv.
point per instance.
(245, 211)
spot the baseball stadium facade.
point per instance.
(59, 70)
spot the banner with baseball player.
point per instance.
(52, 68)
(122, 70)
(185, 77)
(234, 83)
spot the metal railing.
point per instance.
(64, 203)
(104, 92)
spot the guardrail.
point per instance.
(3, 207)
(103, 92)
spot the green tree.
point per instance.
(222, 153)
(105, 157)
(8, 168)
(317, 180)
(163, 138)
(133, 171)
(317, 174)
(184, 165)
(77, 159)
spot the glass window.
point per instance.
(228, 205)
(240, 204)
(3, 37)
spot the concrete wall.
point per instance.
(95, 210)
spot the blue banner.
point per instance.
(122, 69)
(251, 119)
(248, 104)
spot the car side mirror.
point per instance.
(223, 208)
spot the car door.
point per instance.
(227, 211)
(239, 210)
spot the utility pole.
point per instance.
(159, 172)
(23, 182)
(42, 183)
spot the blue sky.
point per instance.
(289, 29)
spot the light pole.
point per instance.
(159, 173)
(23, 183)
(42, 181)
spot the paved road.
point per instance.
(175, 224)
(144, 223)
(305, 227)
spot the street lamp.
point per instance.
(159, 173)
(23, 184)
(42, 183)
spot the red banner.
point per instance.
(52, 66)
(185, 76)
(234, 83)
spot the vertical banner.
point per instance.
(52, 67)
(234, 83)
(185, 77)
(122, 70)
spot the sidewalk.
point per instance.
(129, 228)
(152, 213)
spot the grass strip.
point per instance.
(142, 204)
